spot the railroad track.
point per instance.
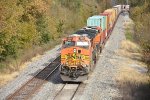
(70, 91)
(31, 86)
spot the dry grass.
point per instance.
(130, 46)
(128, 74)
(16, 67)
(133, 84)
(130, 50)
(6, 76)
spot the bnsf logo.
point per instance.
(74, 56)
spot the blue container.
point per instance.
(97, 21)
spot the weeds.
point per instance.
(129, 35)
(133, 83)
(12, 64)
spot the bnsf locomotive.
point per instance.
(80, 50)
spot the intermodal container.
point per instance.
(97, 21)
(116, 12)
(108, 22)
(113, 15)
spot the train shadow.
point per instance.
(53, 78)
(47, 75)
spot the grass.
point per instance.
(132, 83)
(129, 35)
(137, 33)
(12, 67)
(129, 46)
(5, 78)
(129, 29)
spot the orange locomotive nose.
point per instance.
(74, 56)
(77, 54)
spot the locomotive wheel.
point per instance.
(96, 54)
(101, 48)
(95, 58)
(98, 49)
(92, 65)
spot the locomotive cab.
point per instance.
(75, 57)
(78, 54)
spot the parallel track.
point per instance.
(30, 87)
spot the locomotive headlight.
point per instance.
(67, 63)
(74, 50)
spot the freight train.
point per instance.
(80, 50)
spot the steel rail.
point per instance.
(75, 91)
(60, 91)
(60, 94)
(29, 88)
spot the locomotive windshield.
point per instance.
(68, 44)
(82, 44)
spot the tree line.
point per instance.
(140, 14)
(26, 25)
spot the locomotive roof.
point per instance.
(90, 33)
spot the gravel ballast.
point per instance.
(32, 69)
(101, 84)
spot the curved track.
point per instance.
(31, 86)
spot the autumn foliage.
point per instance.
(26, 25)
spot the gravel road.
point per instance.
(101, 84)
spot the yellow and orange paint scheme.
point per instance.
(73, 56)
(77, 61)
